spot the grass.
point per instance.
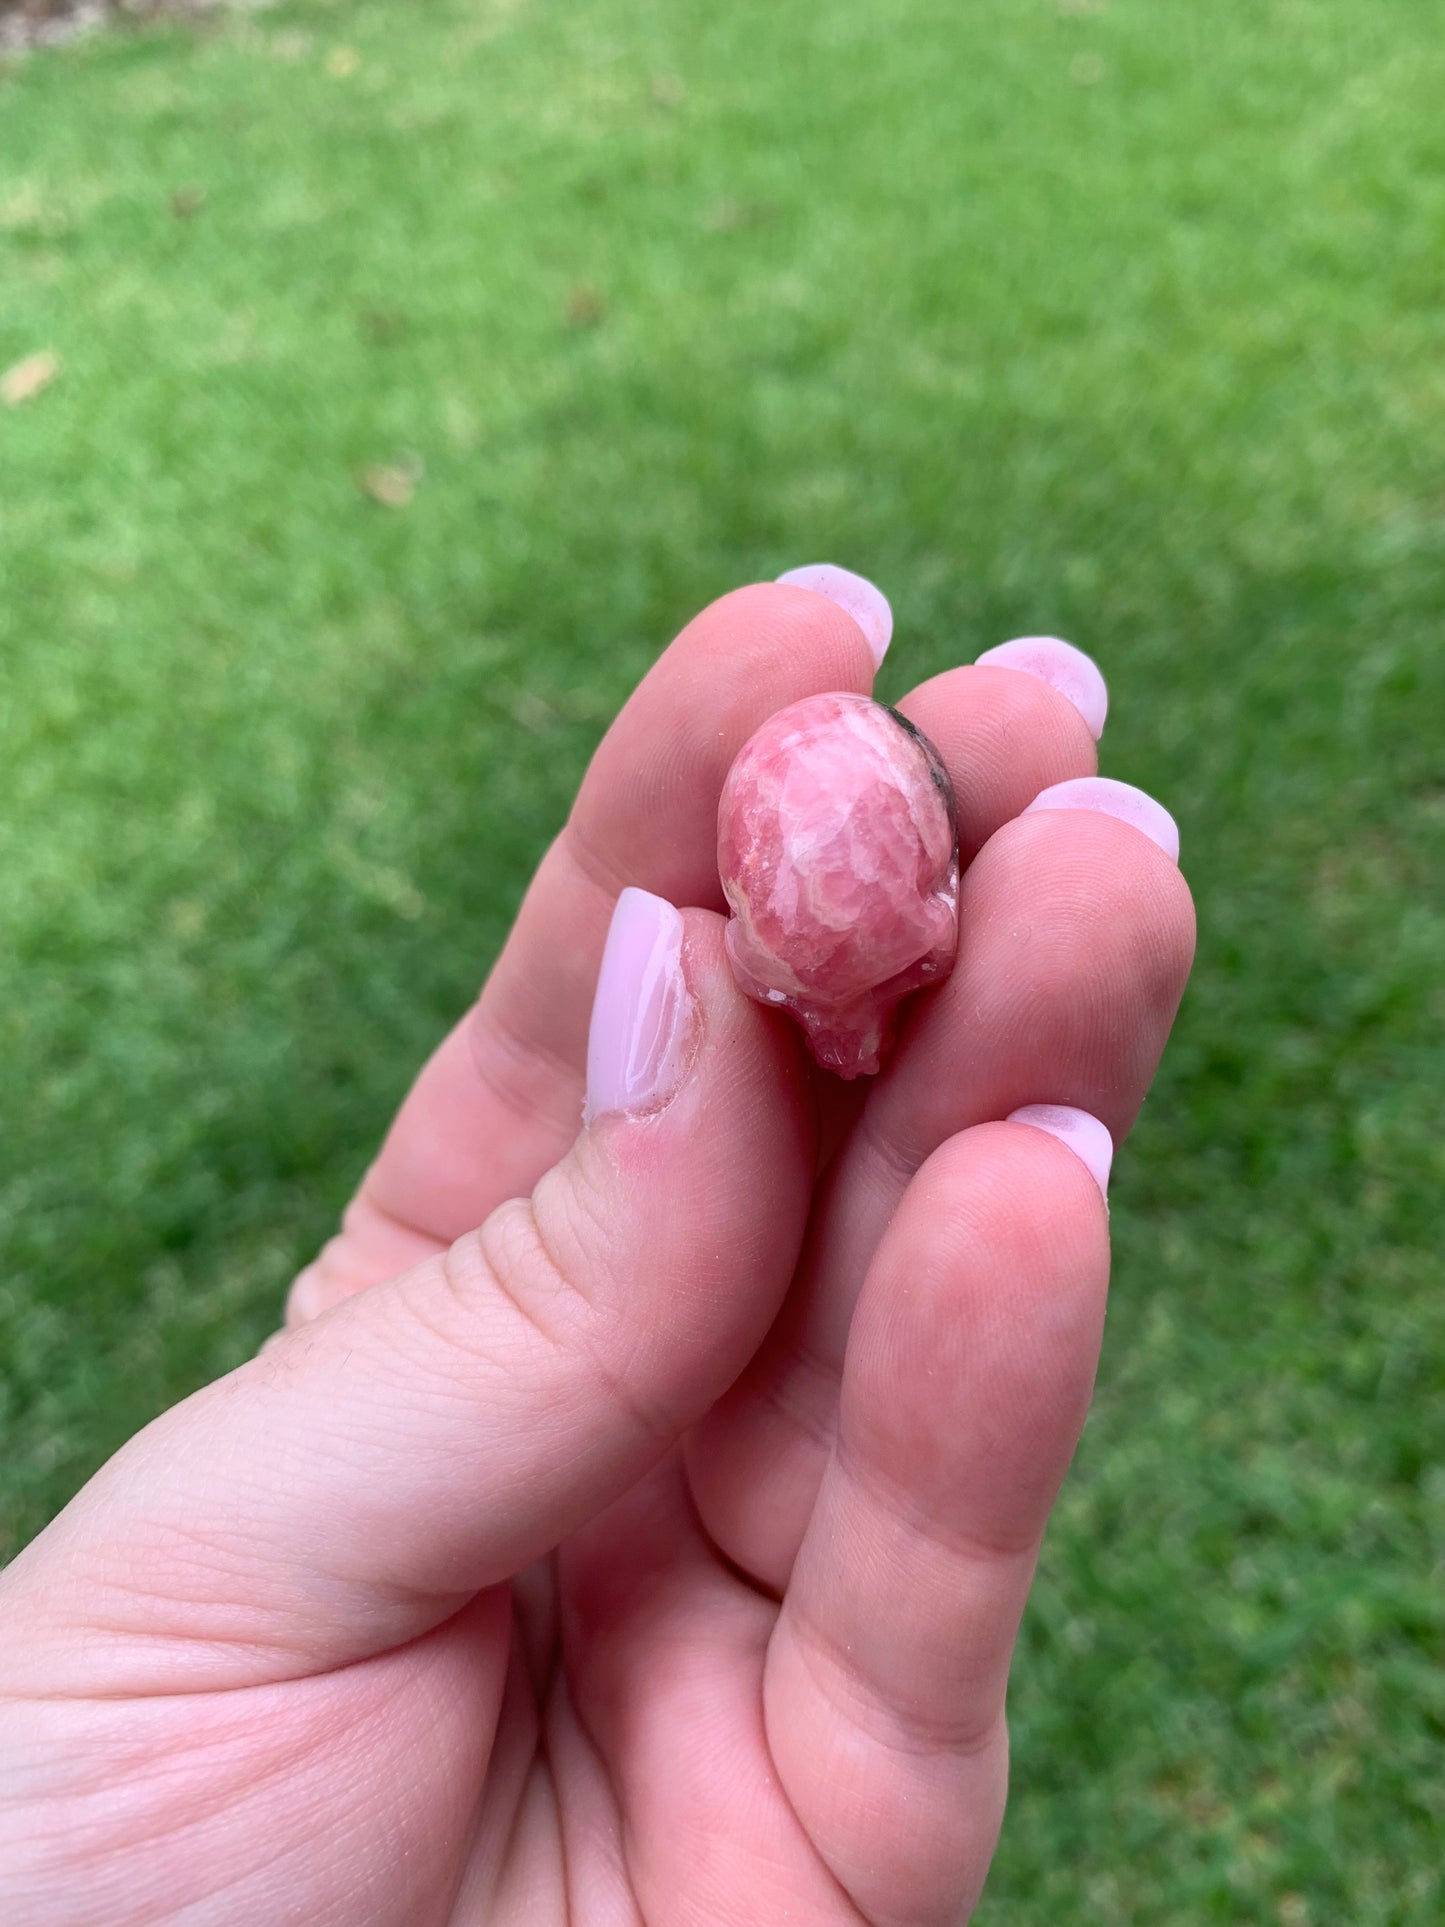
(1118, 320)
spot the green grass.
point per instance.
(1115, 320)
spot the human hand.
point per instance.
(654, 1552)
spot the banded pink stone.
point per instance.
(838, 852)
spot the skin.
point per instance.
(631, 1527)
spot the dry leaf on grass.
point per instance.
(392, 484)
(586, 305)
(28, 377)
(729, 215)
(383, 325)
(530, 711)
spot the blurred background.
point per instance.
(381, 385)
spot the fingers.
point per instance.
(968, 1375)
(1076, 935)
(664, 1653)
(500, 1099)
(424, 1440)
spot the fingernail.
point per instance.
(854, 594)
(1063, 667)
(636, 1047)
(1086, 1137)
(1102, 793)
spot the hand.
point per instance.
(656, 1551)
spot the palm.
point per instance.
(590, 1749)
(632, 1739)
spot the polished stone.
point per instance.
(838, 852)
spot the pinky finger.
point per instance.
(968, 1374)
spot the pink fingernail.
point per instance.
(1102, 793)
(1086, 1137)
(1063, 667)
(854, 594)
(636, 1047)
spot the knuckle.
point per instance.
(957, 1725)
(317, 1288)
(553, 1266)
(508, 1256)
(535, 1296)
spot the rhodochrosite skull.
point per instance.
(838, 851)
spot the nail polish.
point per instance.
(1086, 1137)
(855, 595)
(1109, 798)
(641, 1013)
(1063, 667)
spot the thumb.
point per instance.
(352, 1486)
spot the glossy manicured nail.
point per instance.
(1086, 1137)
(1102, 793)
(854, 594)
(636, 1048)
(1063, 667)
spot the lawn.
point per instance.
(1118, 319)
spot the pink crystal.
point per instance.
(838, 851)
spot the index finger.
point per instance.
(500, 1099)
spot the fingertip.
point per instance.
(1086, 1136)
(637, 1045)
(762, 646)
(1108, 797)
(855, 595)
(1064, 667)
